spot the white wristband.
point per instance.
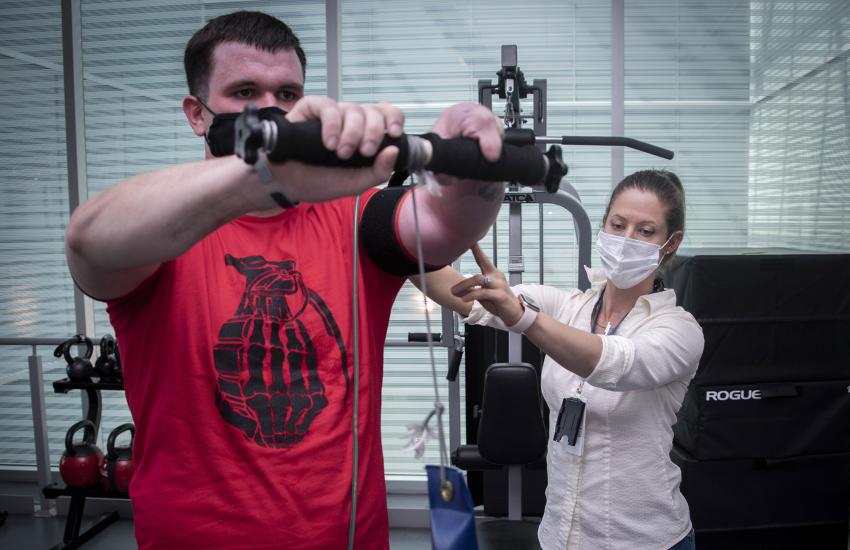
(529, 315)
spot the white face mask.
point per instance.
(626, 262)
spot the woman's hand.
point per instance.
(490, 289)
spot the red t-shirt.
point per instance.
(238, 370)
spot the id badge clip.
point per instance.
(569, 428)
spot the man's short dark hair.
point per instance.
(252, 28)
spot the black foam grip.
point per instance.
(423, 336)
(302, 141)
(519, 136)
(461, 157)
(454, 365)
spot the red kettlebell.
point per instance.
(79, 465)
(116, 468)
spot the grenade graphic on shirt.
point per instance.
(268, 381)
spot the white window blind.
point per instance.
(776, 178)
(36, 293)
(134, 83)
(687, 89)
(800, 135)
(425, 56)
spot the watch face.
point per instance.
(529, 302)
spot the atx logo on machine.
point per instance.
(518, 197)
(732, 395)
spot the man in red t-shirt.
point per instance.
(234, 305)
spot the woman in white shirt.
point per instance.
(624, 350)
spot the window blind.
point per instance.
(687, 89)
(776, 177)
(800, 129)
(425, 56)
(36, 293)
(134, 83)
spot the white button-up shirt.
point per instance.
(623, 492)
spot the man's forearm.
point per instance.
(156, 216)
(451, 222)
(119, 237)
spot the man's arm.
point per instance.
(452, 222)
(122, 235)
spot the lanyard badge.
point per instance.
(570, 425)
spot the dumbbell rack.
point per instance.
(73, 538)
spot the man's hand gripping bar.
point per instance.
(282, 140)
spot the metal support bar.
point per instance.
(44, 507)
(406, 344)
(515, 269)
(515, 492)
(73, 538)
(334, 48)
(93, 409)
(618, 88)
(566, 197)
(450, 328)
(539, 106)
(75, 136)
(540, 248)
(31, 341)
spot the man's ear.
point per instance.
(194, 112)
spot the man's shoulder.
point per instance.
(341, 206)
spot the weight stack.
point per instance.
(763, 435)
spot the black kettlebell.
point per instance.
(117, 373)
(80, 464)
(106, 363)
(116, 468)
(79, 368)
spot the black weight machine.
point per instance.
(506, 417)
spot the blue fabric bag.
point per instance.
(453, 522)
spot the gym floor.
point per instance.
(24, 532)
